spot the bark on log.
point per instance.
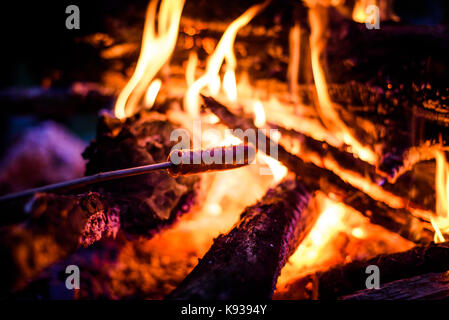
(346, 279)
(399, 220)
(431, 286)
(57, 226)
(150, 201)
(246, 262)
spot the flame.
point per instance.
(326, 108)
(259, 114)
(152, 92)
(229, 85)
(294, 60)
(359, 11)
(220, 208)
(276, 168)
(214, 85)
(191, 68)
(223, 51)
(157, 47)
(340, 235)
(441, 222)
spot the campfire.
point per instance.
(345, 196)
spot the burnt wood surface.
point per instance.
(53, 226)
(400, 221)
(246, 262)
(150, 201)
(57, 226)
(430, 286)
(346, 279)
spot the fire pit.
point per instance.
(343, 104)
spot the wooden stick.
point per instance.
(180, 162)
(84, 181)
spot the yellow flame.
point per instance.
(152, 92)
(318, 21)
(214, 85)
(157, 47)
(359, 11)
(441, 222)
(224, 50)
(278, 170)
(259, 114)
(294, 60)
(230, 85)
(330, 219)
(191, 68)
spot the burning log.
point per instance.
(147, 202)
(399, 220)
(346, 279)
(247, 261)
(428, 286)
(57, 226)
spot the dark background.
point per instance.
(35, 40)
(36, 45)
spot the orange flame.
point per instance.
(328, 113)
(259, 114)
(359, 11)
(224, 50)
(230, 85)
(191, 67)
(157, 48)
(441, 222)
(152, 92)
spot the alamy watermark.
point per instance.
(373, 280)
(73, 20)
(72, 281)
(372, 17)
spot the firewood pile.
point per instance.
(360, 184)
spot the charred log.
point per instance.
(346, 279)
(434, 286)
(57, 226)
(400, 220)
(247, 261)
(150, 201)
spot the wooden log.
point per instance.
(147, 202)
(56, 227)
(246, 262)
(430, 286)
(349, 278)
(399, 220)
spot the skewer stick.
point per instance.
(84, 181)
(179, 162)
